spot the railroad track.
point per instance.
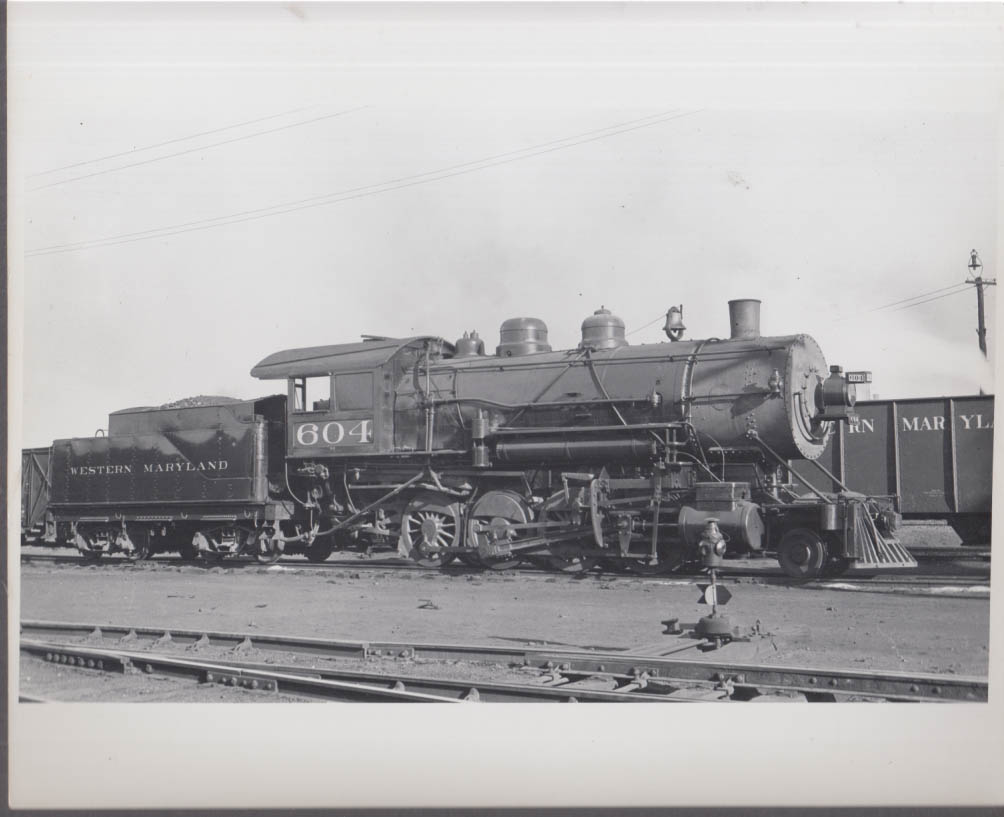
(553, 674)
(963, 581)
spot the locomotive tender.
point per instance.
(630, 454)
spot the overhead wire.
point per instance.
(195, 149)
(915, 297)
(365, 190)
(347, 194)
(168, 142)
(656, 319)
(965, 287)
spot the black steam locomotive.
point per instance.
(630, 454)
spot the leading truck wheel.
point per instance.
(802, 553)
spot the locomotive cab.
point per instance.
(342, 398)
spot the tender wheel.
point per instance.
(266, 548)
(82, 542)
(430, 526)
(320, 549)
(493, 520)
(802, 553)
(141, 546)
(567, 556)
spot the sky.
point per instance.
(643, 156)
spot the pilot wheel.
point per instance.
(802, 553)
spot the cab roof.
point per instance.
(344, 357)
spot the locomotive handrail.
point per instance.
(548, 404)
(491, 362)
(836, 481)
(510, 430)
(777, 457)
(718, 396)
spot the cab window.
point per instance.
(354, 392)
(311, 393)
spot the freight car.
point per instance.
(37, 522)
(636, 455)
(934, 454)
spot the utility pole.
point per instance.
(977, 280)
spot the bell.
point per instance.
(674, 327)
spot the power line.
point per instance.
(321, 199)
(656, 319)
(914, 298)
(168, 142)
(196, 149)
(366, 190)
(935, 298)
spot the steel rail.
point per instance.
(124, 661)
(769, 575)
(391, 560)
(818, 683)
(348, 685)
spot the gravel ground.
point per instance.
(798, 626)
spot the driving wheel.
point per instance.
(430, 526)
(493, 523)
(568, 556)
(672, 555)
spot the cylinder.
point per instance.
(744, 316)
(743, 526)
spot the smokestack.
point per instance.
(744, 315)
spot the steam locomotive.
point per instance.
(628, 454)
